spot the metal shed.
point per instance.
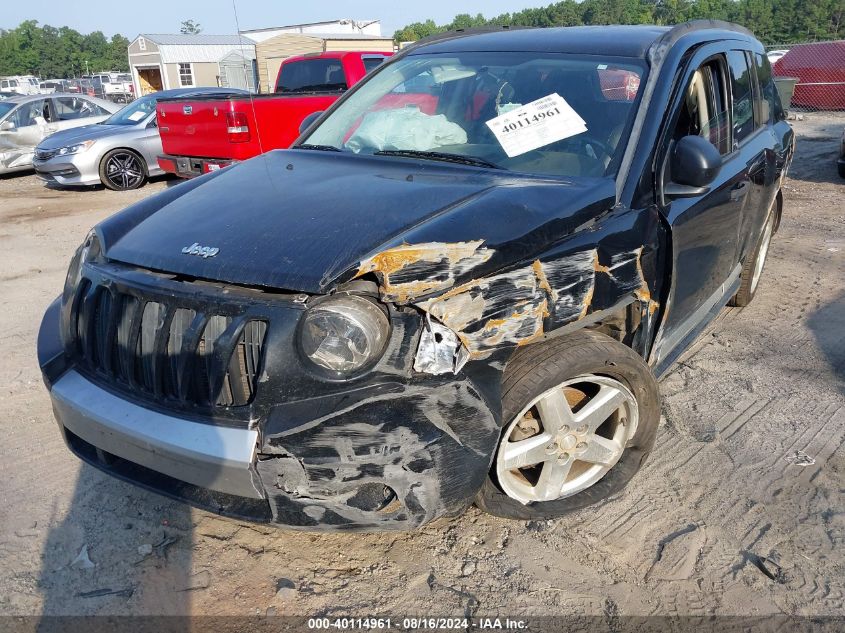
(238, 70)
(162, 61)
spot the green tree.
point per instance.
(773, 21)
(50, 52)
(189, 27)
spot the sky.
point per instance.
(218, 16)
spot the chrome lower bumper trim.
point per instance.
(213, 457)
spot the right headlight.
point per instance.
(344, 334)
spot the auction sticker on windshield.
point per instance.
(536, 124)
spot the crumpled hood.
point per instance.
(79, 134)
(302, 220)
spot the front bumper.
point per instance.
(76, 170)
(391, 455)
(218, 458)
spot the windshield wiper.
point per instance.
(441, 156)
(319, 148)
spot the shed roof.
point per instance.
(199, 39)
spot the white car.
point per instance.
(776, 54)
(27, 120)
(21, 84)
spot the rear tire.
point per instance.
(584, 365)
(752, 270)
(123, 170)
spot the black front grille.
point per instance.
(165, 350)
(42, 154)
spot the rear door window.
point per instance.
(371, 63)
(70, 108)
(742, 96)
(769, 103)
(312, 75)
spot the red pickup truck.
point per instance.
(201, 134)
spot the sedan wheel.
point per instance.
(122, 170)
(566, 439)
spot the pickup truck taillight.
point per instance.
(237, 127)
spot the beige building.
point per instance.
(162, 62)
(271, 52)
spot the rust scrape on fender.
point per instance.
(510, 308)
(413, 270)
(504, 309)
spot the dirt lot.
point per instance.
(739, 511)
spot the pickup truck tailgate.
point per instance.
(194, 127)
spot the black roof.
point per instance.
(608, 40)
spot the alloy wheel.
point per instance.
(566, 439)
(124, 170)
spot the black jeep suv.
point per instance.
(459, 286)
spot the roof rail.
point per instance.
(679, 30)
(458, 33)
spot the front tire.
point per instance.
(581, 414)
(122, 170)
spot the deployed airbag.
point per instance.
(405, 129)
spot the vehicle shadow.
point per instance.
(139, 555)
(168, 180)
(828, 326)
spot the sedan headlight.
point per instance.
(76, 148)
(344, 335)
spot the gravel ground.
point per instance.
(738, 511)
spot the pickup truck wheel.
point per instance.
(752, 270)
(581, 415)
(122, 170)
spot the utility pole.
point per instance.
(86, 68)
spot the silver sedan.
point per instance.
(25, 120)
(119, 152)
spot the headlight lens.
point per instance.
(76, 148)
(344, 334)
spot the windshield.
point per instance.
(551, 114)
(5, 108)
(133, 113)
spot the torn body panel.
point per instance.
(409, 271)
(516, 307)
(391, 460)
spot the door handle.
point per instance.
(739, 191)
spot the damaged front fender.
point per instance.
(593, 270)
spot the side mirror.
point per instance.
(695, 163)
(307, 121)
(7, 126)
